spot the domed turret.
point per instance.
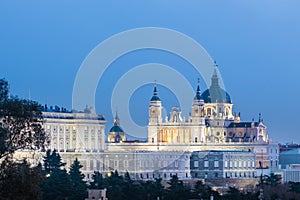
(116, 133)
(198, 94)
(155, 94)
(215, 94)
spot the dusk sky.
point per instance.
(255, 43)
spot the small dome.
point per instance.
(116, 133)
(155, 94)
(155, 98)
(198, 94)
(116, 128)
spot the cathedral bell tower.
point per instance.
(155, 116)
(197, 106)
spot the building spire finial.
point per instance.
(155, 93)
(198, 94)
(198, 87)
(155, 88)
(116, 120)
(215, 78)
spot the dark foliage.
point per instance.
(57, 184)
(20, 123)
(78, 184)
(20, 181)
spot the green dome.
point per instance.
(215, 95)
(116, 129)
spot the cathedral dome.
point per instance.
(215, 94)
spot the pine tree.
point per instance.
(52, 161)
(78, 184)
(57, 184)
(98, 181)
(177, 190)
(20, 181)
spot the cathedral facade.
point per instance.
(211, 121)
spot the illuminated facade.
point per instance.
(211, 121)
(75, 131)
(172, 142)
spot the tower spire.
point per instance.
(198, 94)
(215, 78)
(155, 93)
(116, 120)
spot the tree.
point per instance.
(177, 190)
(20, 181)
(154, 189)
(52, 161)
(233, 193)
(57, 184)
(294, 187)
(98, 181)
(201, 190)
(20, 123)
(78, 184)
(115, 184)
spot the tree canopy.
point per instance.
(20, 123)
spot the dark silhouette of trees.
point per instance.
(115, 184)
(57, 184)
(78, 184)
(20, 123)
(177, 190)
(294, 187)
(20, 181)
(98, 181)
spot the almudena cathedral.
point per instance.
(211, 143)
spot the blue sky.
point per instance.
(255, 43)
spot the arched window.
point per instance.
(208, 111)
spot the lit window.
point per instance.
(196, 163)
(216, 163)
(206, 163)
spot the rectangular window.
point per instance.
(226, 164)
(196, 163)
(125, 163)
(216, 164)
(106, 163)
(206, 163)
(116, 163)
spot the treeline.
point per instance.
(51, 181)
